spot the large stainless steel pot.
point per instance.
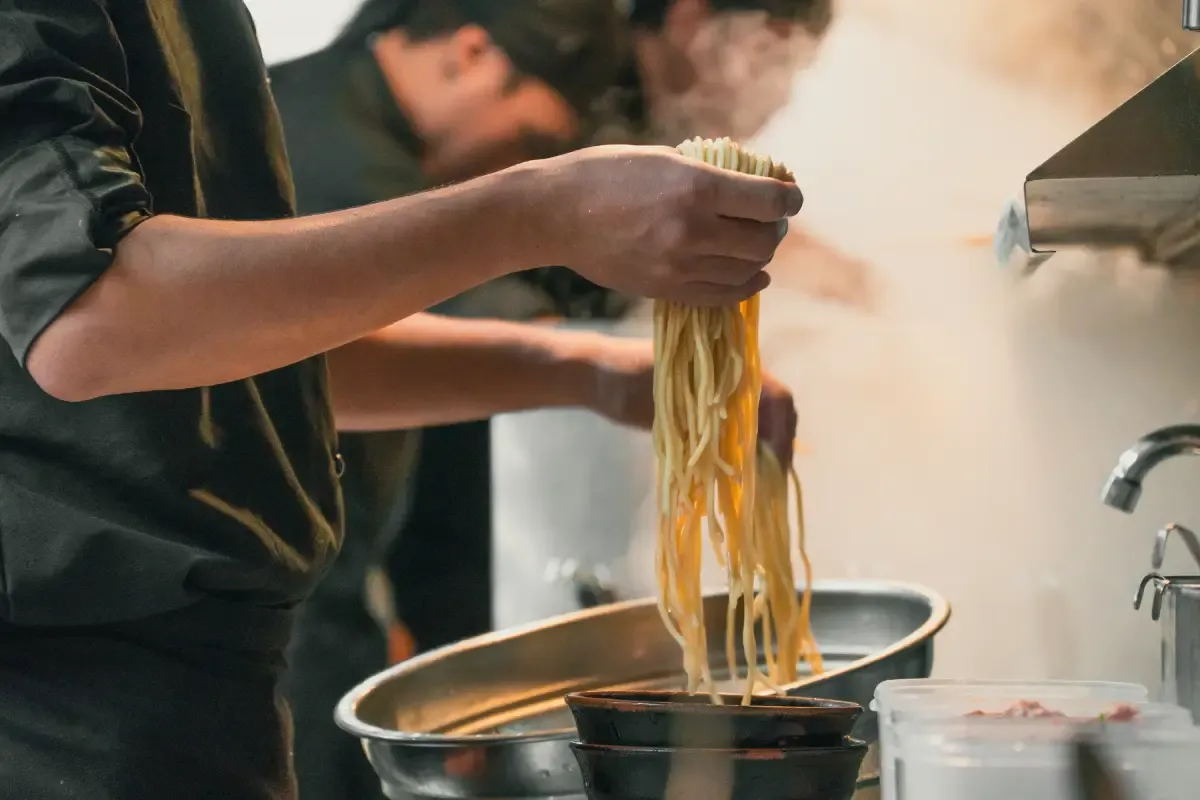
(485, 718)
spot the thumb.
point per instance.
(742, 196)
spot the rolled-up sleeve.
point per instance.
(69, 188)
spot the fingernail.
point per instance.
(782, 225)
(795, 201)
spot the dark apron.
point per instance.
(185, 706)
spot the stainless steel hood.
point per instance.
(1131, 180)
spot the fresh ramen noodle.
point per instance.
(714, 482)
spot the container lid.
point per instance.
(1067, 710)
(900, 694)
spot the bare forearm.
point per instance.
(199, 302)
(429, 370)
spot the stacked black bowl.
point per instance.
(673, 746)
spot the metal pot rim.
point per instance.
(347, 719)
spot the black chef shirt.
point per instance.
(127, 506)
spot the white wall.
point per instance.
(291, 28)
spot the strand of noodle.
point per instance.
(811, 651)
(748, 397)
(704, 373)
(792, 618)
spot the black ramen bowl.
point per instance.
(644, 773)
(677, 719)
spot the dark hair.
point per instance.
(574, 46)
(814, 14)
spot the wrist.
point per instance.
(614, 377)
(576, 370)
(543, 195)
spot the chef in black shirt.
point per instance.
(168, 487)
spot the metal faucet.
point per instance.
(1191, 15)
(1124, 486)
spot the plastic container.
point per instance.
(1164, 765)
(908, 694)
(1001, 759)
(953, 699)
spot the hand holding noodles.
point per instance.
(714, 481)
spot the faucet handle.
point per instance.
(1159, 554)
(1160, 586)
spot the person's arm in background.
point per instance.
(120, 301)
(429, 370)
(809, 265)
